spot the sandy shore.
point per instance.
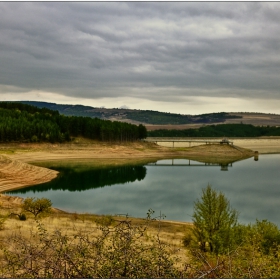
(32, 153)
(17, 172)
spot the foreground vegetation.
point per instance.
(221, 130)
(26, 123)
(215, 246)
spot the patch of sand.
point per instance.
(15, 174)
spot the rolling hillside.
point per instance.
(154, 120)
(146, 117)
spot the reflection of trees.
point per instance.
(71, 180)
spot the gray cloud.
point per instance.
(149, 50)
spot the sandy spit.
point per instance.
(17, 172)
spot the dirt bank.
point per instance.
(15, 174)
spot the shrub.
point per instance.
(187, 239)
(105, 220)
(37, 206)
(22, 217)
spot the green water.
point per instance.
(169, 186)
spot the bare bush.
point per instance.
(119, 251)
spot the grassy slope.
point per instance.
(70, 223)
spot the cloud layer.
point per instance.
(128, 53)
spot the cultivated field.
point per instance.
(257, 119)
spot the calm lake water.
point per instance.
(253, 188)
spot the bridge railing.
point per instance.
(207, 142)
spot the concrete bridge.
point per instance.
(207, 142)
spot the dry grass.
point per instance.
(171, 233)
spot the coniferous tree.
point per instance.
(214, 221)
(22, 122)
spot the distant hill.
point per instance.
(27, 123)
(154, 120)
(256, 119)
(146, 117)
(220, 130)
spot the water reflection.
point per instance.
(179, 162)
(251, 186)
(87, 178)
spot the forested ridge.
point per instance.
(27, 123)
(142, 116)
(221, 130)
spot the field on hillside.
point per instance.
(257, 119)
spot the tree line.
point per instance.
(221, 130)
(155, 117)
(26, 123)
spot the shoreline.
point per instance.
(15, 174)
(21, 163)
(18, 160)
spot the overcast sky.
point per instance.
(183, 57)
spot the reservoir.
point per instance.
(167, 186)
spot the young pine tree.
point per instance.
(214, 221)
